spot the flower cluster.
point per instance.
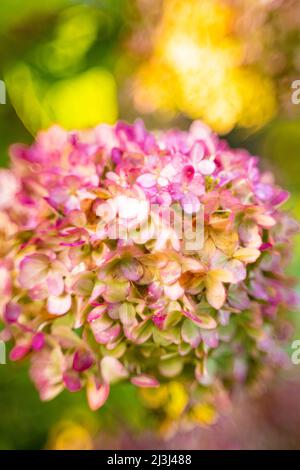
(91, 309)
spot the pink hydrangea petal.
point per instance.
(72, 381)
(112, 369)
(247, 255)
(38, 341)
(132, 270)
(33, 270)
(58, 196)
(174, 291)
(197, 152)
(19, 351)
(237, 270)
(59, 305)
(210, 338)
(145, 381)
(99, 326)
(159, 319)
(190, 204)
(9, 186)
(265, 246)
(5, 281)
(127, 314)
(188, 172)
(250, 234)
(82, 360)
(83, 284)
(55, 283)
(12, 312)
(109, 335)
(96, 313)
(97, 394)
(238, 297)
(191, 333)
(280, 198)
(206, 167)
(265, 220)
(39, 292)
(168, 172)
(147, 180)
(215, 292)
(203, 320)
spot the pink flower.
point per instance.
(9, 185)
(82, 360)
(86, 233)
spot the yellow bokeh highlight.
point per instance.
(197, 51)
(177, 400)
(154, 398)
(204, 414)
(68, 435)
(84, 100)
(172, 398)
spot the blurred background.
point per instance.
(231, 63)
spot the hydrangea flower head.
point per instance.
(98, 285)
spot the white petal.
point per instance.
(59, 305)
